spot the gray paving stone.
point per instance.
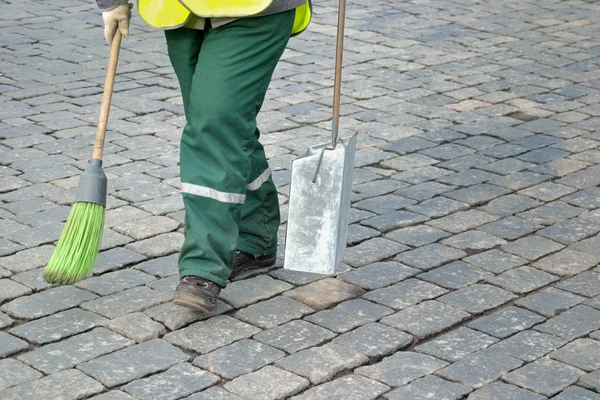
(13, 372)
(588, 245)
(426, 319)
(427, 388)
(546, 377)
(5, 321)
(547, 191)
(10, 345)
(114, 282)
(438, 207)
(467, 162)
(115, 259)
(378, 275)
(243, 293)
(529, 345)
(374, 340)
(27, 259)
(417, 236)
(206, 336)
(532, 248)
(161, 267)
(269, 383)
(522, 280)
(402, 368)
(180, 380)
(405, 294)
(384, 204)
(551, 213)
(394, 220)
(506, 166)
(591, 381)
(214, 393)
(126, 302)
(587, 198)
(33, 279)
(474, 240)
(468, 177)
(358, 233)
(549, 302)
(242, 357)
(273, 312)
(430, 256)
(70, 384)
(456, 344)
(570, 231)
(137, 326)
(585, 284)
(477, 298)
(462, 221)
(567, 262)
(572, 324)
(297, 278)
(158, 246)
(372, 250)
(582, 353)
(420, 175)
(47, 302)
(510, 204)
(581, 179)
(146, 227)
(10, 290)
(506, 322)
(58, 326)
(520, 180)
(68, 353)
(325, 293)
(477, 194)
(502, 391)
(510, 228)
(295, 336)
(351, 387)
(348, 315)
(480, 368)
(577, 393)
(495, 261)
(455, 275)
(424, 191)
(133, 363)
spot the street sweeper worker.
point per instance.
(224, 54)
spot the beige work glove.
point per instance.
(117, 17)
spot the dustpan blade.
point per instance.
(319, 208)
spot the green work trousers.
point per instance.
(230, 198)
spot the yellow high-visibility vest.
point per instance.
(170, 14)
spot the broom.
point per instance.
(79, 243)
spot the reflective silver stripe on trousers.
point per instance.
(204, 191)
(262, 178)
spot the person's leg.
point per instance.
(183, 46)
(218, 144)
(260, 214)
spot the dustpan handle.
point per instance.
(106, 97)
(337, 86)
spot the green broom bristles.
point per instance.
(78, 245)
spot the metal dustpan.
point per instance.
(320, 190)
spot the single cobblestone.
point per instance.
(133, 362)
(502, 391)
(351, 387)
(402, 368)
(427, 388)
(74, 351)
(269, 383)
(324, 293)
(70, 384)
(546, 377)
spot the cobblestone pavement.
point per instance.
(472, 268)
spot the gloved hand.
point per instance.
(117, 17)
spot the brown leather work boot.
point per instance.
(244, 261)
(197, 293)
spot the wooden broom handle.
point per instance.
(106, 97)
(337, 85)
